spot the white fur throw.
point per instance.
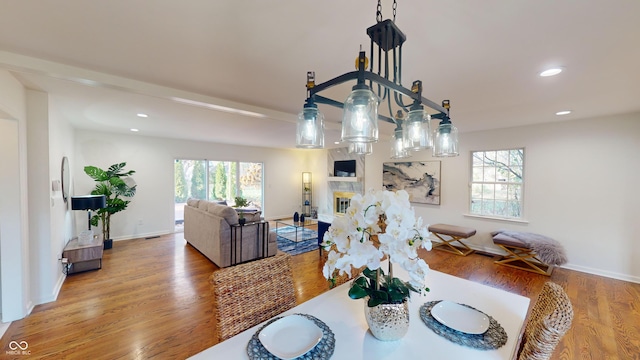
(548, 250)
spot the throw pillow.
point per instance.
(193, 202)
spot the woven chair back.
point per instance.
(250, 293)
(341, 279)
(549, 320)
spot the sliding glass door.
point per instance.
(216, 180)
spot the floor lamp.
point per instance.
(88, 202)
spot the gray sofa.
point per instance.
(207, 227)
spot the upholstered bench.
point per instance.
(453, 236)
(530, 252)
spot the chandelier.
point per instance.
(373, 87)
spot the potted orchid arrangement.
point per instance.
(379, 225)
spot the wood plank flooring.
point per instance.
(152, 299)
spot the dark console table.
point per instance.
(262, 240)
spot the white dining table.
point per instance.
(345, 317)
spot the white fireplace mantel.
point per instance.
(343, 178)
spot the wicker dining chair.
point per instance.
(248, 294)
(549, 320)
(340, 279)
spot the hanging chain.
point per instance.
(395, 6)
(379, 11)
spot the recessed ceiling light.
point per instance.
(563, 112)
(551, 72)
(134, 130)
(337, 142)
(142, 115)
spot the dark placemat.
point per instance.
(323, 350)
(493, 338)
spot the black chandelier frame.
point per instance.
(388, 37)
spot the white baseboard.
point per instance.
(56, 289)
(145, 235)
(29, 308)
(568, 266)
(600, 272)
(3, 327)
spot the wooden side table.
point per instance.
(83, 257)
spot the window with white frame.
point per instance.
(497, 182)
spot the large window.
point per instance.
(497, 182)
(216, 180)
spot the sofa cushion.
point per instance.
(193, 202)
(253, 216)
(226, 212)
(203, 205)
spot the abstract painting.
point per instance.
(421, 179)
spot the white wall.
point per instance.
(49, 139)
(34, 221)
(581, 180)
(62, 218)
(152, 159)
(14, 271)
(39, 207)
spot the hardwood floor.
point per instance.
(152, 299)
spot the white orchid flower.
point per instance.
(403, 235)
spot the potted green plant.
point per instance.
(117, 186)
(239, 203)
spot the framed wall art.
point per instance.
(421, 179)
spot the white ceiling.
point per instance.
(104, 61)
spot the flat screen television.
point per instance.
(344, 168)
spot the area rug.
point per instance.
(287, 234)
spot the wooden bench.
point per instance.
(520, 256)
(451, 240)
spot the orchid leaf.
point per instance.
(357, 292)
(362, 282)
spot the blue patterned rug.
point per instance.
(294, 248)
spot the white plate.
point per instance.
(460, 317)
(290, 336)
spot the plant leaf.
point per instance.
(361, 281)
(102, 189)
(357, 292)
(371, 274)
(96, 173)
(374, 300)
(115, 168)
(383, 296)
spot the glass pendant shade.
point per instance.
(360, 117)
(445, 140)
(417, 130)
(360, 148)
(310, 128)
(398, 150)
